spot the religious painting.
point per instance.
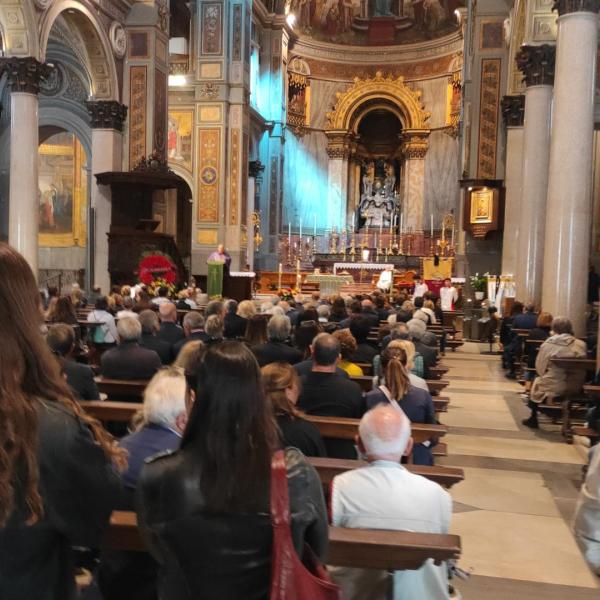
(179, 137)
(62, 191)
(492, 35)
(482, 205)
(374, 22)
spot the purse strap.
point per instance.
(280, 502)
(386, 392)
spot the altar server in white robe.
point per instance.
(386, 279)
(448, 295)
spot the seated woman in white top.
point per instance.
(105, 334)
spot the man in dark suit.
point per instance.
(527, 319)
(325, 393)
(368, 311)
(61, 339)
(129, 360)
(360, 326)
(193, 328)
(169, 330)
(276, 349)
(150, 327)
(235, 326)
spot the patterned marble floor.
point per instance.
(514, 509)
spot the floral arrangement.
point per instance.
(287, 294)
(155, 267)
(152, 287)
(478, 282)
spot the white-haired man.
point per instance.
(129, 360)
(276, 349)
(384, 495)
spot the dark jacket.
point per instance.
(162, 348)
(170, 332)
(329, 395)
(205, 556)
(299, 433)
(364, 353)
(78, 486)
(429, 356)
(81, 380)
(129, 360)
(418, 407)
(271, 352)
(531, 350)
(199, 335)
(305, 367)
(526, 320)
(235, 326)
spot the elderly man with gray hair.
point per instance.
(276, 349)
(385, 495)
(129, 360)
(150, 327)
(193, 328)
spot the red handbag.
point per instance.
(292, 578)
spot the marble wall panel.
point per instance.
(442, 193)
(435, 99)
(323, 99)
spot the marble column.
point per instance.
(537, 65)
(569, 202)
(513, 111)
(107, 118)
(23, 77)
(414, 147)
(339, 151)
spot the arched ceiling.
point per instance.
(373, 22)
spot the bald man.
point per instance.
(169, 330)
(384, 495)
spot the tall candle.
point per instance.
(453, 236)
(290, 234)
(280, 268)
(300, 234)
(315, 227)
(432, 225)
(401, 223)
(353, 220)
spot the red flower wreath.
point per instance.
(157, 266)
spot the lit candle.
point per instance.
(315, 228)
(280, 268)
(432, 225)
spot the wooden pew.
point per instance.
(436, 386)
(119, 388)
(365, 382)
(328, 468)
(437, 372)
(585, 364)
(367, 368)
(363, 548)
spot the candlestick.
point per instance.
(279, 278)
(452, 237)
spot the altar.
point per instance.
(329, 285)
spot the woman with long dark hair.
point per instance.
(57, 480)
(205, 508)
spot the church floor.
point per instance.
(514, 509)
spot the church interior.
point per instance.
(296, 167)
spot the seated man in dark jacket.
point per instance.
(169, 331)
(275, 349)
(365, 352)
(150, 340)
(325, 393)
(193, 327)
(235, 325)
(61, 339)
(129, 360)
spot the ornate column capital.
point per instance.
(106, 114)
(513, 110)
(415, 143)
(24, 73)
(564, 7)
(537, 64)
(255, 168)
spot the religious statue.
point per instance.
(389, 184)
(383, 8)
(378, 209)
(368, 179)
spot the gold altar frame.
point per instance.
(77, 236)
(482, 206)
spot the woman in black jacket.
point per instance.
(282, 388)
(57, 480)
(204, 509)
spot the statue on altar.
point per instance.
(382, 8)
(378, 200)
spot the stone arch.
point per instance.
(101, 63)
(379, 89)
(18, 32)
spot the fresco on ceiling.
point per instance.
(374, 22)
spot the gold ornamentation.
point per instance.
(209, 142)
(379, 88)
(137, 114)
(234, 173)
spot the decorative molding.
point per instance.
(118, 39)
(208, 161)
(25, 74)
(234, 177)
(491, 69)
(537, 64)
(565, 7)
(212, 28)
(138, 77)
(340, 144)
(42, 4)
(106, 114)
(54, 84)
(236, 34)
(513, 110)
(160, 112)
(207, 91)
(379, 88)
(255, 168)
(415, 144)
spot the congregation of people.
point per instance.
(229, 387)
